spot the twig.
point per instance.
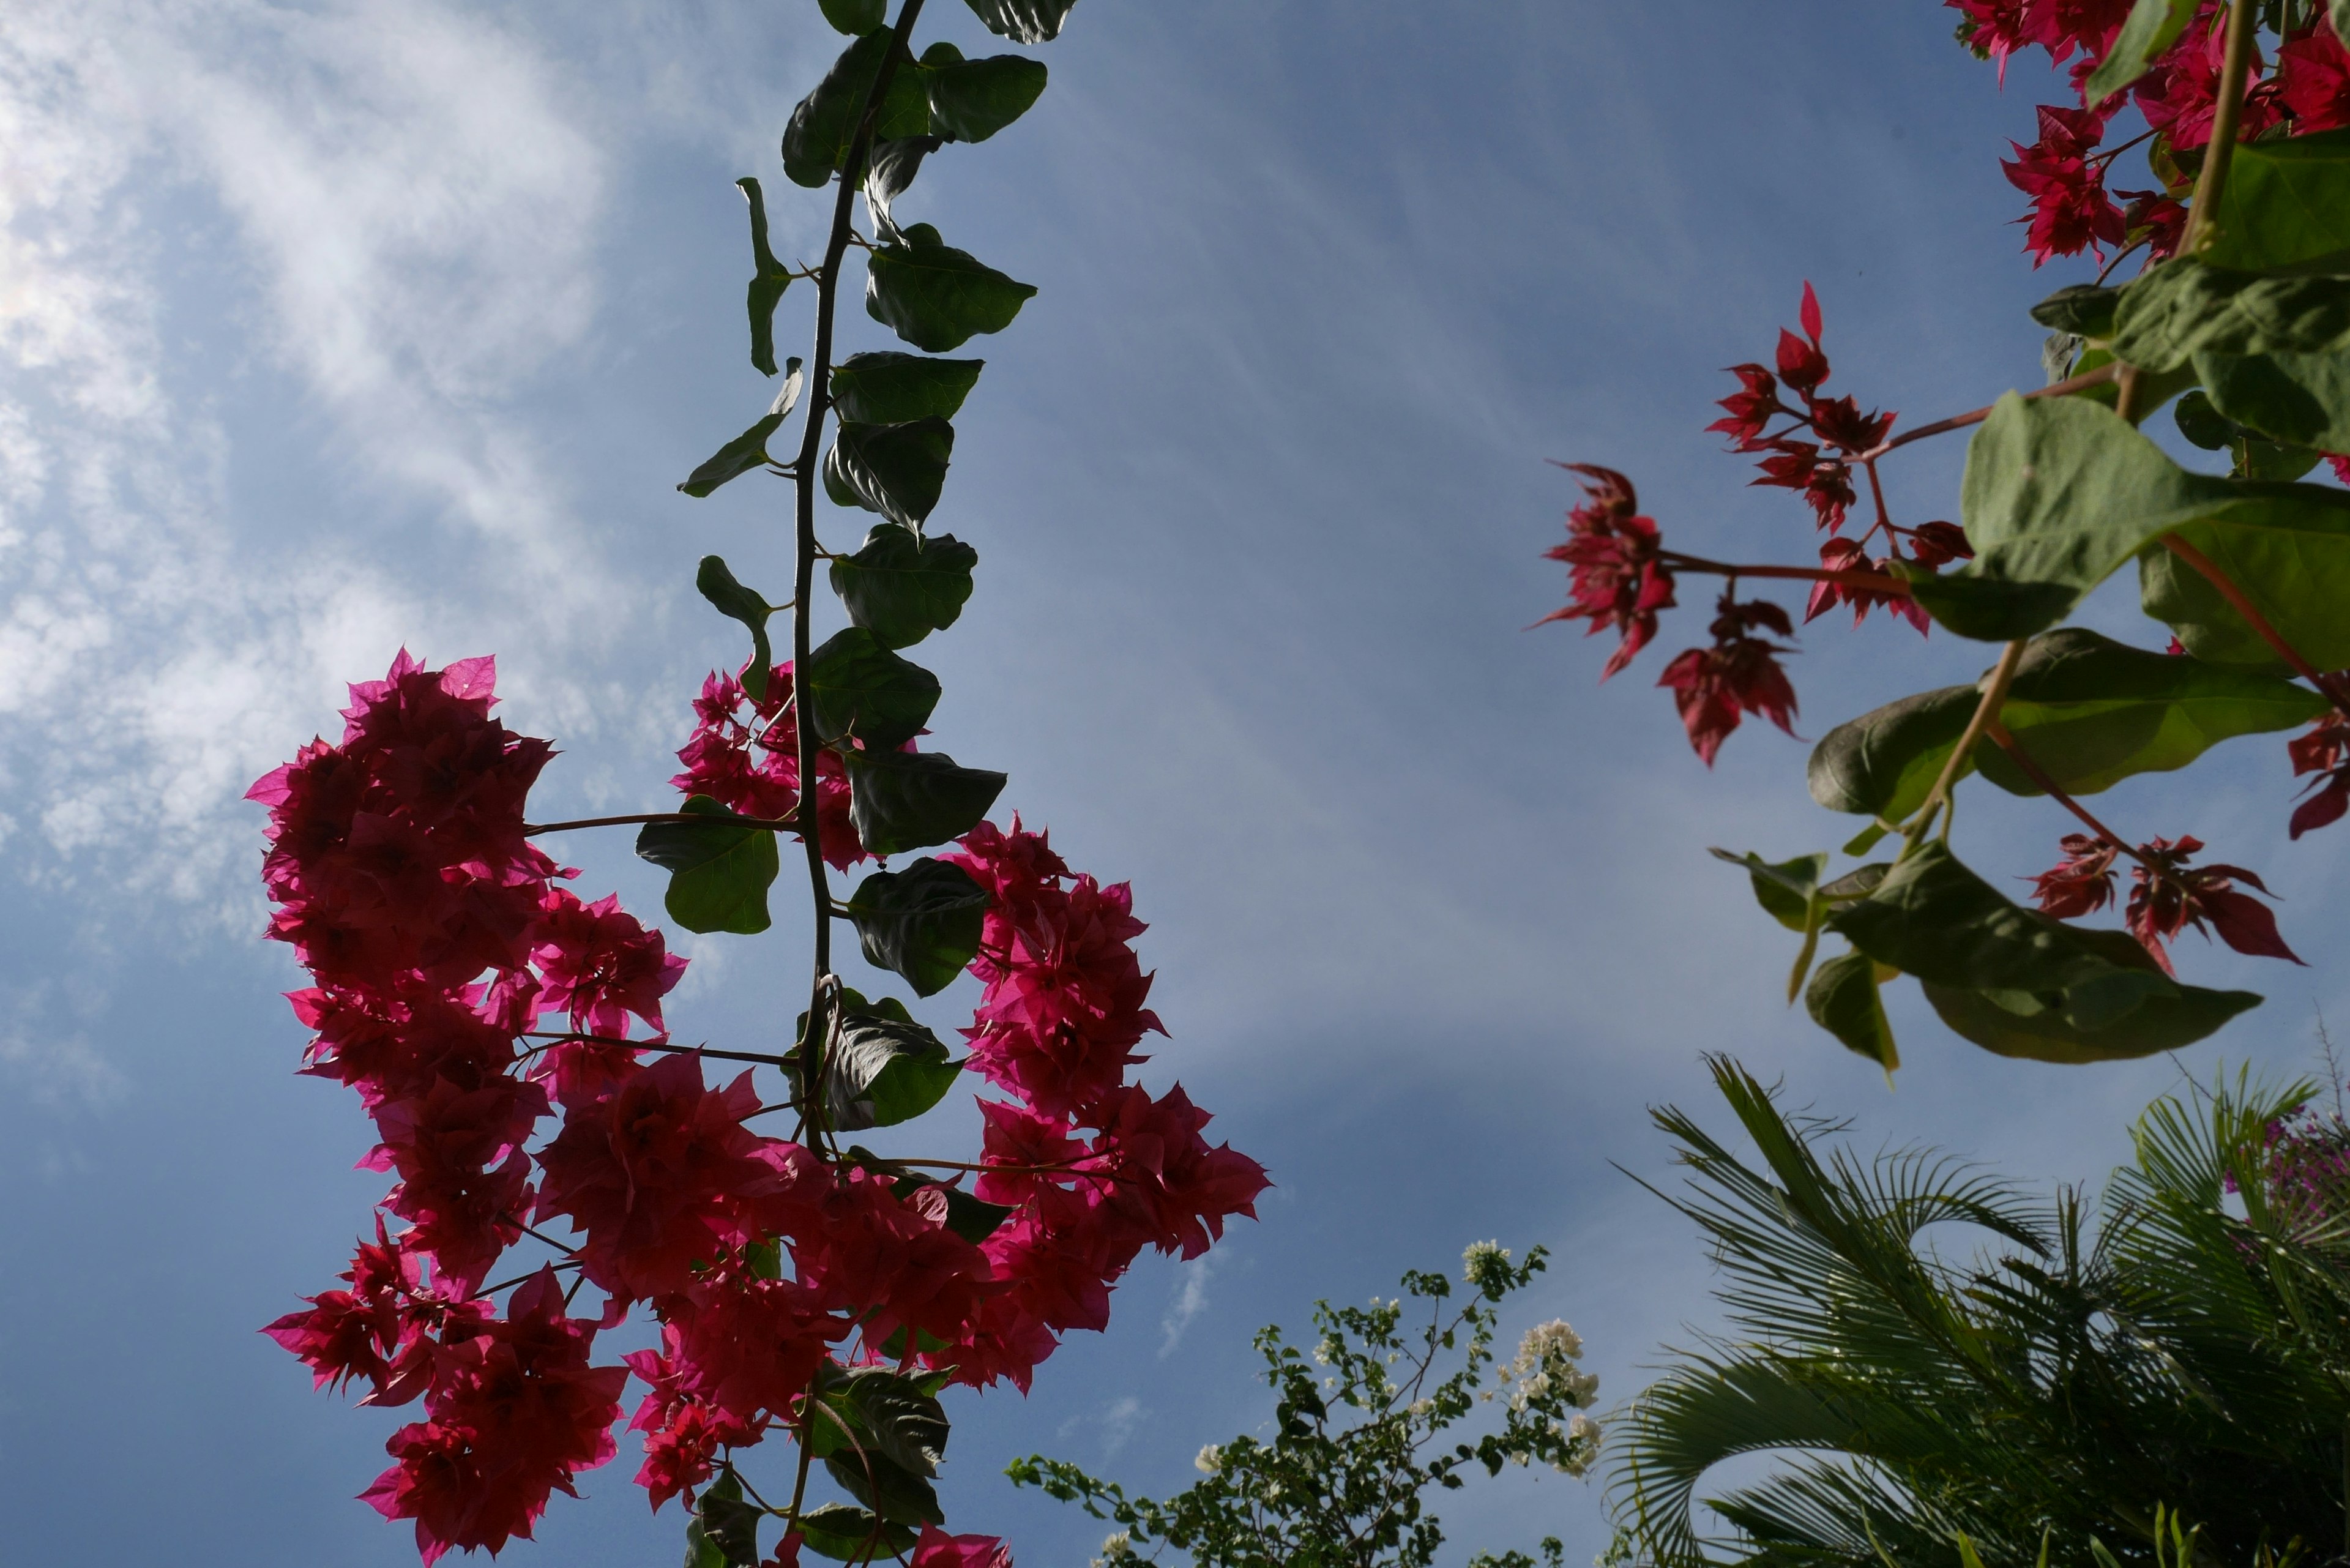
(1876, 582)
(772, 824)
(2242, 605)
(1994, 697)
(2080, 383)
(2212, 180)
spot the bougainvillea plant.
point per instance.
(546, 1136)
(2238, 317)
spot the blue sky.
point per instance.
(329, 327)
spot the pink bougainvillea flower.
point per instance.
(600, 965)
(936, 1549)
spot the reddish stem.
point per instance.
(2031, 770)
(2243, 607)
(774, 825)
(2080, 383)
(1874, 582)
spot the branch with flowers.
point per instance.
(804, 1287)
(2238, 317)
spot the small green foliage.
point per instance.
(749, 449)
(937, 297)
(719, 872)
(913, 800)
(922, 924)
(1362, 1428)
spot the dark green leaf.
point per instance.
(2060, 492)
(734, 600)
(2301, 399)
(765, 1257)
(879, 1071)
(911, 800)
(2153, 26)
(855, 16)
(1024, 21)
(848, 1534)
(2258, 459)
(974, 1218)
(890, 1413)
(889, 388)
(901, 587)
(1934, 919)
(2025, 1025)
(749, 449)
(886, 1489)
(1786, 891)
(923, 922)
(769, 279)
(888, 170)
(937, 297)
(2088, 710)
(2083, 309)
(725, 1524)
(816, 139)
(2203, 425)
(719, 872)
(1843, 1000)
(894, 470)
(2286, 204)
(2185, 307)
(972, 100)
(854, 688)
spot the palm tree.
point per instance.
(2184, 1344)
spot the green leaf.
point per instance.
(823, 127)
(2286, 203)
(769, 279)
(725, 1528)
(2287, 548)
(2185, 306)
(719, 872)
(911, 800)
(855, 688)
(1024, 21)
(894, 470)
(889, 388)
(923, 923)
(937, 297)
(971, 100)
(848, 1534)
(1843, 999)
(974, 1218)
(1934, 919)
(901, 587)
(1788, 890)
(2044, 1033)
(2088, 710)
(888, 1489)
(2060, 492)
(879, 1071)
(890, 1413)
(2203, 425)
(2083, 309)
(738, 602)
(749, 449)
(889, 170)
(2152, 28)
(855, 16)
(2300, 400)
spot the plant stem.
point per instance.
(772, 824)
(2080, 383)
(819, 403)
(559, 1038)
(2031, 769)
(1876, 582)
(1987, 712)
(2242, 605)
(2243, 18)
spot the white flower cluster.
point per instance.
(1210, 1460)
(1118, 1548)
(1545, 1364)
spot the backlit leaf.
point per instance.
(880, 1071)
(2301, 399)
(717, 584)
(2152, 27)
(769, 279)
(889, 388)
(846, 1533)
(855, 16)
(923, 923)
(971, 100)
(937, 297)
(823, 127)
(2185, 306)
(911, 800)
(1843, 999)
(901, 587)
(719, 872)
(1024, 21)
(894, 470)
(2287, 202)
(749, 449)
(854, 687)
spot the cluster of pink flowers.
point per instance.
(2064, 174)
(438, 938)
(745, 756)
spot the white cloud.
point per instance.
(1188, 1301)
